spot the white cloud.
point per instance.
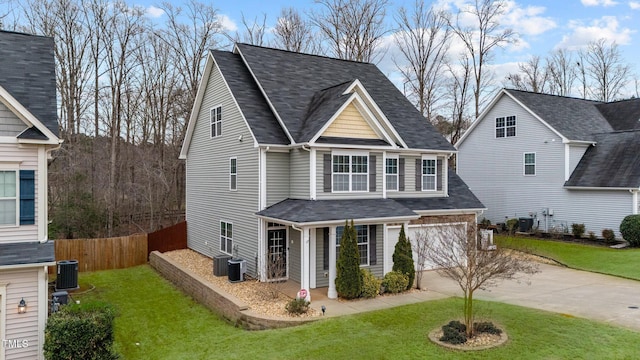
(634, 5)
(226, 23)
(154, 12)
(604, 3)
(606, 28)
(527, 20)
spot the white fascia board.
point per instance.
(448, 212)
(24, 266)
(579, 142)
(26, 116)
(236, 50)
(379, 112)
(351, 146)
(590, 188)
(340, 222)
(195, 109)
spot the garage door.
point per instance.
(431, 231)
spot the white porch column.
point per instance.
(312, 257)
(305, 281)
(332, 293)
(634, 202)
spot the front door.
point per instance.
(277, 254)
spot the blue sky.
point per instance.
(541, 25)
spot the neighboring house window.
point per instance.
(391, 173)
(215, 118)
(362, 234)
(350, 173)
(226, 237)
(428, 173)
(233, 174)
(8, 197)
(529, 163)
(505, 126)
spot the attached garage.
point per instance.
(415, 231)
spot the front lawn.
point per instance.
(618, 262)
(156, 321)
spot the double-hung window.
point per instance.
(391, 173)
(505, 126)
(215, 119)
(350, 172)
(529, 163)
(226, 237)
(233, 174)
(8, 197)
(362, 235)
(429, 173)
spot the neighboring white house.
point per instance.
(28, 132)
(282, 148)
(555, 159)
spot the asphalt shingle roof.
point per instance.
(26, 253)
(460, 197)
(575, 119)
(622, 115)
(263, 123)
(27, 72)
(613, 162)
(291, 80)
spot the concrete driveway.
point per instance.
(562, 290)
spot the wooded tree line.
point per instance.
(127, 81)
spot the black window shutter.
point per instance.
(440, 175)
(27, 197)
(418, 174)
(373, 254)
(325, 249)
(327, 172)
(401, 174)
(372, 173)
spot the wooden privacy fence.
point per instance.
(119, 252)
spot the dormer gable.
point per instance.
(35, 131)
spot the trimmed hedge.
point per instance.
(81, 332)
(370, 284)
(630, 229)
(395, 282)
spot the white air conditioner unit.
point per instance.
(486, 240)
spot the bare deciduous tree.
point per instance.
(532, 76)
(606, 69)
(459, 91)
(561, 71)
(423, 41)
(253, 31)
(353, 29)
(480, 39)
(292, 32)
(455, 252)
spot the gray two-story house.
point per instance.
(282, 148)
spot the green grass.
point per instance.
(169, 325)
(618, 262)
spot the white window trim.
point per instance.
(212, 121)
(524, 163)
(505, 127)
(397, 174)
(225, 250)
(232, 174)
(435, 175)
(351, 154)
(368, 243)
(16, 169)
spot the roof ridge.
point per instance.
(306, 54)
(622, 100)
(24, 33)
(558, 96)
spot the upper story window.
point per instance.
(529, 163)
(391, 173)
(233, 174)
(429, 173)
(350, 172)
(215, 119)
(362, 235)
(226, 237)
(505, 126)
(8, 197)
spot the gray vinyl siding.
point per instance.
(209, 199)
(410, 179)
(342, 195)
(294, 255)
(377, 269)
(10, 124)
(493, 169)
(299, 178)
(575, 154)
(321, 280)
(278, 177)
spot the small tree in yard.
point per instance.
(420, 247)
(403, 258)
(456, 255)
(348, 275)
